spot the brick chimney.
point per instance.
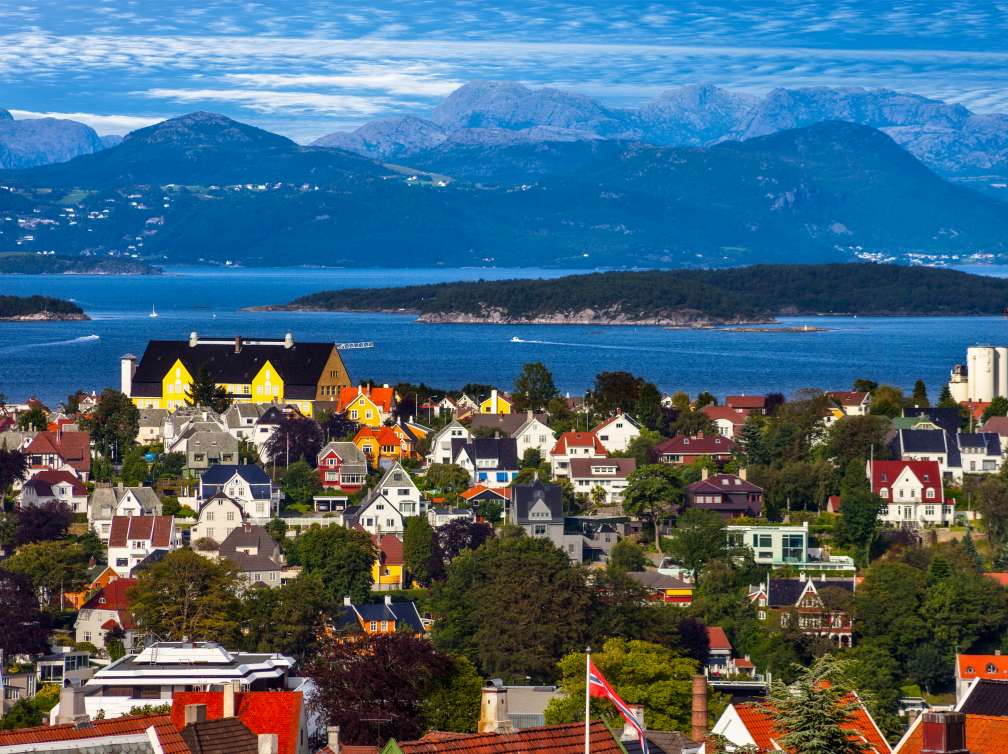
(698, 729)
(944, 733)
(229, 699)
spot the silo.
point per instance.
(1001, 366)
(981, 372)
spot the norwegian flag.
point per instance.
(599, 687)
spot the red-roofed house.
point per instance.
(617, 432)
(368, 406)
(955, 732)
(853, 402)
(970, 667)
(571, 445)
(387, 571)
(137, 733)
(381, 446)
(720, 658)
(750, 725)
(281, 713)
(685, 450)
(107, 610)
(912, 492)
(133, 538)
(730, 495)
(55, 486)
(729, 421)
(754, 404)
(550, 739)
(60, 450)
(479, 493)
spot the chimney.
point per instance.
(289, 340)
(629, 732)
(127, 368)
(388, 599)
(346, 601)
(944, 733)
(268, 743)
(195, 713)
(193, 339)
(704, 473)
(742, 473)
(493, 401)
(494, 716)
(238, 343)
(699, 720)
(229, 699)
(71, 706)
(332, 738)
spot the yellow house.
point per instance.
(495, 404)
(380, 444)
(251, 371)
(387, 571)
(367, 406)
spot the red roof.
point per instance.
(833, 504)
(744, 664)
(113, 596)
(110, 625)
(73, 447)
(384, 435)
(391, 549)
(735, 416)
(700, 445)
(997, 424)
(928, 474)
(502, 492)
(976, 408)
(550, 739)
(763, 730)
(746, 401)
(169, 738)
(276, 712)
(723, 483)
(380, 396)
(982, 666)
(1000, 577)
(985, 734)
(848, 397)
(578, 440)
(718, 639)
(60, 476)
(154, 529)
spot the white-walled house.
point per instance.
(912, 493)
(107, 610)
(216, 519)
(398, 486)
(247, 484)
(108, 502)
(441, 442)
(133, 538)
(571, 445)
(55, 486)
(617, 432)
(608, 474)
(534, 433)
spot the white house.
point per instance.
(912, 493)
(852, 402)
(398, 487)
(608, 474)
(133, 538)
(441, 442)
(617, 432)
(216, 519)
(247, 484)
(534, 434)
(108, 502)
(571, 445)
(107, 610)
(55, 486)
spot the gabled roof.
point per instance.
(383, 435)
(44, 481)
(997, 424)
(502, 450)
(578, 440)
(347, 452)
(986, 442)
(588, 468)
(113, 594)
(986, 697)
(222, 472)
(482, 492)
(721, 483)
(946, 418)
(506, 424)
(718, 639)
(396, 476)
(702, 445)
(848, 397)
(157, 530)
(658, 581)
(618, 416)
(985, 734)
(746, 401)
(382, 397)
(527, 496)
(73, 447)
(786, 592)
(225, 736)
(982, 666)
(762, 729)
(276, 712)
(158, 726)
(550, 739)
(927, 473)
(735, 416)
(397, 612)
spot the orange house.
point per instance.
(381, 444)
(379, 618)
(103, 579)
(368, 406)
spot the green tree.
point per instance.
(964, 608)
(616, 390)
(992, 503)
(859, 511)
(945, 400)
(453, 704)
(998, 407)
(206, 393)
(300, 483)
(856, 438)
(864, 386)
(641, 673)
(419, 550)
(887, 400)
(641, 448)
(652, 493)
(343, 559)
(13, 468)
(448, 478)
(648, 408)
(816, 710)
(919, 397)
(287, 619)
(53, 567)
(705, 399)
(134, 467)
(186, 595)
(698, 538)
(531, 458)
(113, 424)
(888, 608)
(33, 420)
(931, 667)
(534, 387)
(626, 555)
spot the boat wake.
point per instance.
(579, 345)
(71, 341)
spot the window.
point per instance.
(209, 516)
(374, 626)
(793, 548)
(929, 510)
(539, 530)
(884, 493)
(209, 532)
(230, 516)
(87, 636)
(930, 493)
(122, 562)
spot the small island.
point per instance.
(38, 309)
(736, 297)
(20, 263)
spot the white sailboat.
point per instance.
(153, 312)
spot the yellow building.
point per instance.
(251, 371)
(495, 404)
(387, 571)
(367, 406)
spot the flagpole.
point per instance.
(587, 700)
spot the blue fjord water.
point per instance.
(48, 359)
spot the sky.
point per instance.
(308, 68)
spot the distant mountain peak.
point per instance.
(205, 129)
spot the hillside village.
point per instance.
(243, 548)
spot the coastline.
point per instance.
(47, 316)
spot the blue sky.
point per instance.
(308, 68)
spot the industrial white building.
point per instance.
(983, 377)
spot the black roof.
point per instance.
(785, 592)
(923, 440)
(503, 450)
(525, 496)
(398, 612)
(988, 697)
(989, 442)
(946, 418)
(300, 366)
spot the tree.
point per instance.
(134, 467)
(13, 468)
(616, 390)
(42, 523)
(388, 678)
(531, 459)
(705, 399)
(27, 713)
(625, 556)
(448, 478)
(931, 667)
(453, 704)
(887, 401)
(641, 673)
(920, 397)
(648, 408)
(113, 423)
(945, 399)
(534, 387)
(888, 605)
(23, 626)
(206, 393)
(864, 386)
(457, 536)
(33, 420)
(856, 438)
(419, 552)
(498, 607)
(51, 567)
(295, 438)
(859, 511)
(342, 558)
(287, 619)
(697, 539)
(652, 493)
(641, 448)
(998, 407)
(186, 595)
(816, 710)
(992, 503)
(300, 483)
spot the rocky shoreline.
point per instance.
(46, 316)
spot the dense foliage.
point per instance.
(20, 306)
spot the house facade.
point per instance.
(55, 487)
(571, 445)
(802, 603)
(683, 450)
(611, 475)
(496, 403)
(912, 493)
(367, 406)
(108, 502)
(441, 441)
(731, 495)
(492, 461)
(247, 484)
(617, 432)
(60, 451)
(107, 612)
(217, 517)
(342, 466)
(133, 538)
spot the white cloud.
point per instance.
(103, 124)
(270, 101)
(398, 80)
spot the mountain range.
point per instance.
(949, 138)
(205, 187)
(29, 142)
